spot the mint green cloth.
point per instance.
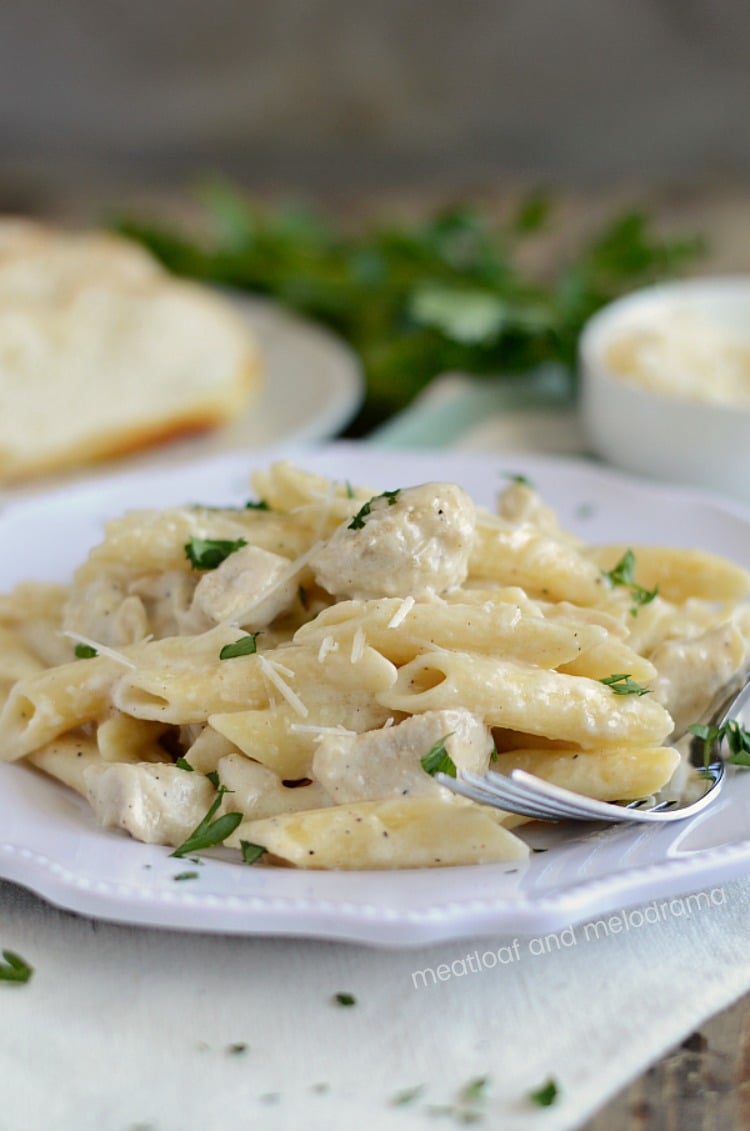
(455, 404)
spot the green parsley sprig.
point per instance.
(437, 760)
(251, 853)
(737, 738)
(624, 574)
(209, 832)
(209, 553)
(84, 651)
(448, 292)
(546, 1094)
(622, 684)
(358, 520)
(15, 969)
(245, 646)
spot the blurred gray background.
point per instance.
(321, 96)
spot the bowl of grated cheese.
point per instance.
(665, 383)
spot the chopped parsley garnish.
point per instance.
(245, 646)
(344, 999)
(407, 1096)
(737, 737)
(13, 968)
(359, 519)
(186, 876)
(516, 477)
(349, 490)
(546, 1095)
(437, 760)
(210, 832)
(213, 777)
(624, 574)
(251, 852)
(622, 684)
(261, 505)
(451, 291)
(474, 1091)
(209, 553)
(183, 764)
(85, 652)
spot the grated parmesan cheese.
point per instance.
(358, 646)
(101, 649)
(328, 644)
(401, 612)
(272, 671)
(311, 728)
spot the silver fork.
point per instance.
(522, 792)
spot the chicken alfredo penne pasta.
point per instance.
(286, 678)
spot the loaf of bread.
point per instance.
(103, 352)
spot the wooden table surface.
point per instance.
(704, 1084)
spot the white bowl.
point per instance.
(664, 424)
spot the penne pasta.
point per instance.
(287, 678)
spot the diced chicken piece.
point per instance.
(166, 598)
(259, 792)
(250, 588)
(692, 672)
(154, 803)
(103, 610)
(414, 542)
(387, 762)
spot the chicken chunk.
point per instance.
(693, 671)
(387, 762)
(415, 542)
(250, 588)
(158, 804)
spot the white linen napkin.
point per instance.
(128, 1029)
(124, 1029)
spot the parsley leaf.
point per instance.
(208, 553)
(359, 518)
(622, 684)
(474, 1091)
(624, 574)
(450, 292)
(546, 1095)
(183, 764)
(737, 737)
(407, 1096)
(245, 646)
(13, 968)
(251, 852)
(261, 505)
(85, 652)
(186, 876)
(344, 999)
(438, 760)
(210, 832)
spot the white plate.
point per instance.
(49, 842)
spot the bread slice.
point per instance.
(103, 352)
